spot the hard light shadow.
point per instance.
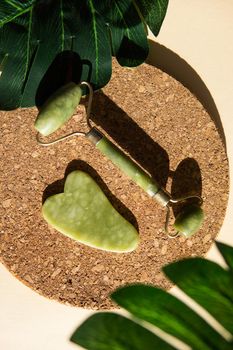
(171, 63)
(186, 181)
(58, 187)
(128, 134)
(70, 67)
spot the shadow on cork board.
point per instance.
(58, 187)
(172, 64)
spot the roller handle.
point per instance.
(129, 167)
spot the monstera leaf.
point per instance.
(34, 33)
(206, 282)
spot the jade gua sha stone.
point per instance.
(84, 213)
(188, 220)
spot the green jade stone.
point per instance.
(130, 168)
(58, 109)
(84, 213)
(189, 220)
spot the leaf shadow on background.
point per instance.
(171, 63)
(141, 147)
(66, 67)
(186, 181)
(58, 187)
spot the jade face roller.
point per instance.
(62, 105)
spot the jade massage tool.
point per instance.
(62, 105)
(84, 213)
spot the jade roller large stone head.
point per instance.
(60, 107)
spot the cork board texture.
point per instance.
(164, 128)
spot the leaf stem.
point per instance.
(93, 11)
(62, 27)
(21, 11)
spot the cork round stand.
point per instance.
(164, 128)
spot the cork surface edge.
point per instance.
(164, 128)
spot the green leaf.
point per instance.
(14, 44)
(227, 253)
(92, 44)
(208, 284)
(109, 331)
(46, 25)
(3, 59)
(34, 33)
(77, 27)
(169, 314)
(128, 35)
(33, 40)
(153, 13)
(10, 9)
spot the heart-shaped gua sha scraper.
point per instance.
(83, 213)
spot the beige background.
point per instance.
(201, 33)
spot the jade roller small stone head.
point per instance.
(61, 106)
